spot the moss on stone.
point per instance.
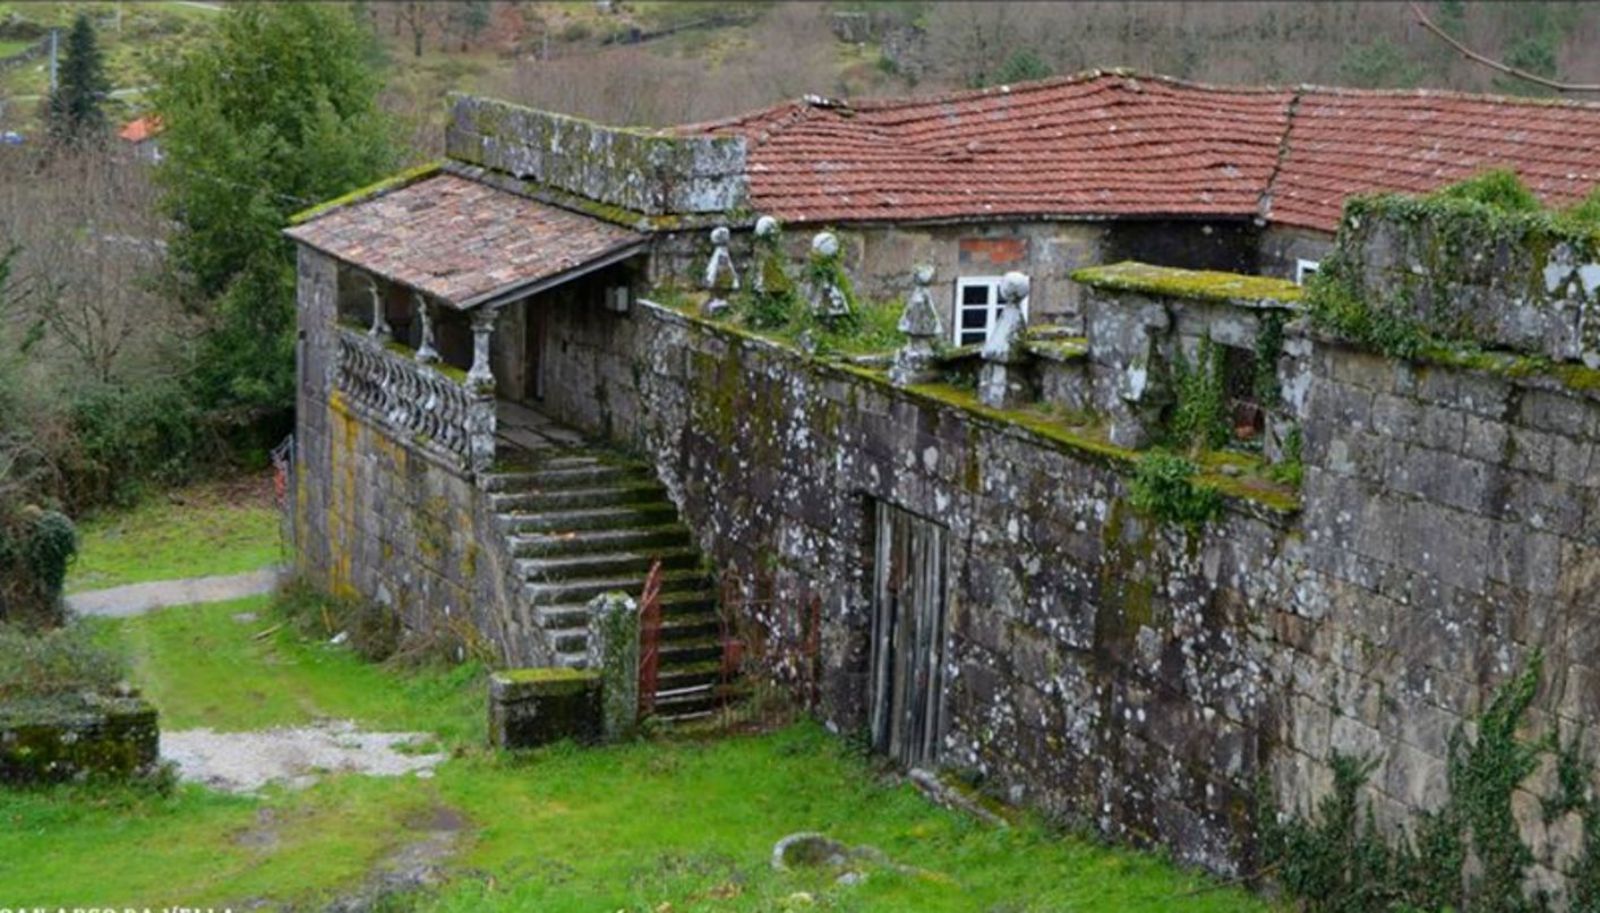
(1198, 285)
(544, 675)
(386, 185)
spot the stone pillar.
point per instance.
(480, 381)
(481, 376)
(721, 279)
(913, 364)
(426, 353)
(380, 321)
(769, 276)
(1001, 381)
(614, 654)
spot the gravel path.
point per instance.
(244, 762)
(138, 598)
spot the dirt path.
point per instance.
(243, 762)
(138, 598)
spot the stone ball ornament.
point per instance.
(923, 274)
(766, 227)
(1014, 286)
(719, 235)
(825, 244)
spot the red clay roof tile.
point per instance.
(461, 241)
(1106, 145)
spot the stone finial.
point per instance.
(720, 274)
(920, 323)
(771, 274)
(1001, 383)
(826, 286)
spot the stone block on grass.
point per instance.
(533, 707)
(51, 740)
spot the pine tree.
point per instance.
(77, 111)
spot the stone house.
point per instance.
(502, 415)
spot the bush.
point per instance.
(1500, 189)
(36, 546)
(1164, 487)
(52, 664)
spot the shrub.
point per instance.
(1164, 487)
(1499, 188)
(36, 546)
(51, 664)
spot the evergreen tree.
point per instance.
(76, 112)
(275, 111)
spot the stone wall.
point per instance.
(1452, 526)
(1108, 668)
(380, 517)
(642, 171)
(881, 258)
(62, 740)
(1100, 666)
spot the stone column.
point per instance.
(1001, 382)
(380, 323)
(480, 381)
(913, 364)
(613, 653)
(426, 353)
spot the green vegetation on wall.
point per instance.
(1466, 855)
(1164, 486)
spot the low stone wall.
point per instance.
(51, 743)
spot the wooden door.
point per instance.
(908, 629)
(536, 323)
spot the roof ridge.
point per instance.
(1457, 94)
(1264, 204)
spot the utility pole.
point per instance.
(55, 35)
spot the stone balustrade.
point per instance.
(427, 403)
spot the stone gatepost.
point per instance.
(1002, 383)
(613, 654)
(913, 364)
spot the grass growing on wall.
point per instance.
(216, 528)
(686, 824)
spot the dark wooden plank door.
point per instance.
(908, 628)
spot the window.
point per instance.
(978, 308)
(1305, 269)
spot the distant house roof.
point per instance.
(1115, 144)
(141, 128)
(463, 242)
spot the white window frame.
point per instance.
(1304, 268)
(992, 283)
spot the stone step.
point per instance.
(560, 499)
(586, 475)
(685, 675)
(581, 591)
(693, 702)
(604, 564)
(631, 516)
(692, 609)
(669, 535)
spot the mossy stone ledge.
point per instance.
(538, 706)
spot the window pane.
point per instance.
(970, 337)
(974, 318)
(975, 294)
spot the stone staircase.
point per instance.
(579, 524)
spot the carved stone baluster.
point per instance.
(380, 322)
(426, 353)
(913, 364)
(480, 383)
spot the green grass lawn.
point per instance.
(686, 823)
(195, 532)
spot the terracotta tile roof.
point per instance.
(460, 241)
(1099, 146)
(1345, 141)
(1115, 144)
(140, 129)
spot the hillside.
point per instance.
(663, 62)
